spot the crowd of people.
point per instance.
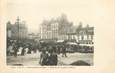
(48, 53)
(48, 57)
(15, 48)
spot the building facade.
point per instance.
(85, 35)
(56, 29)
(62, 29)
(18, 30)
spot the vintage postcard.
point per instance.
(74, 36)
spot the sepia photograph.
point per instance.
(49, 34)
(58, 42)
(57, 36)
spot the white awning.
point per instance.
(60, 41)
(86, 44)
(71, 43)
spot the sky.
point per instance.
(97, 13)
(35, 11)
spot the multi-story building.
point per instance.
(56, 29)
(18, 30)
(85, 35)
(62, 29)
